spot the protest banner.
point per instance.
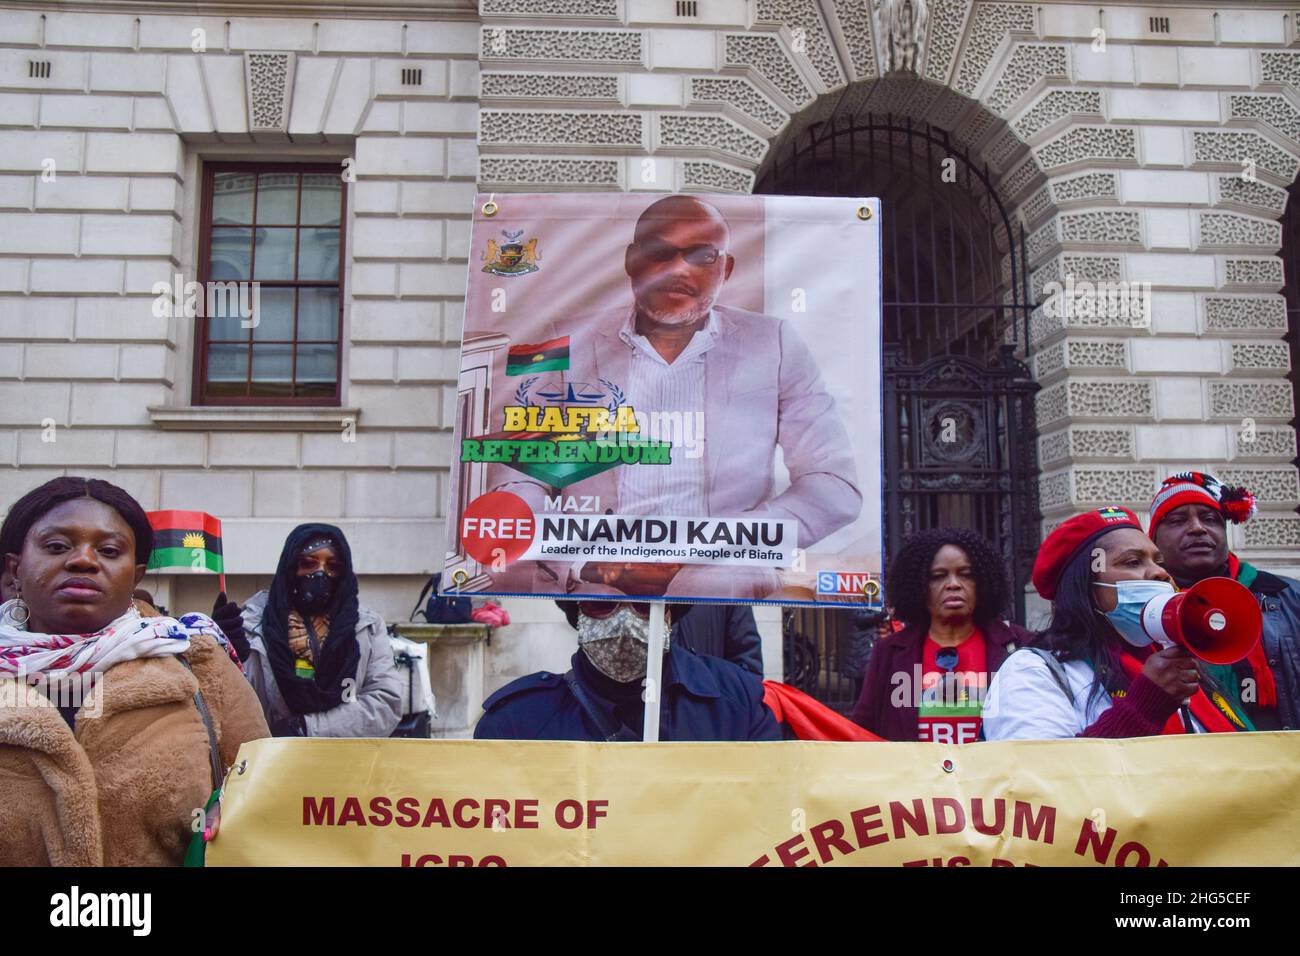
(1178, 801)
(669, 397)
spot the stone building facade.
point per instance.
(1136, 143)
(101, 183)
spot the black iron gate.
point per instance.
(957, 404)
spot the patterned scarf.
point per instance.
(1211, 710)
(56, 657)
(300, 643)
(148, 610)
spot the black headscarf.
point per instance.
(340, 653)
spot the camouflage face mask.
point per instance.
(616, 645)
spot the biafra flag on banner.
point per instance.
(177, 535)
(552, 356)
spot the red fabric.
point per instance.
(1071, 535)
(1265, 684)
(809, 719)
(1209, 716)
(944, 717)
(185, 521)
(527, 351)
(493, 615)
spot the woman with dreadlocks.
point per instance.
(320, 662)
(928, 681)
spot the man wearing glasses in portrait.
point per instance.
(746, 378)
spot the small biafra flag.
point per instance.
(186, 539)
(552, 356)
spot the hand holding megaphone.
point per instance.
(1216, 619)
(1174, 671)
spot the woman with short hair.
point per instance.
(114, 728)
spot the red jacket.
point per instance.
(902, 653)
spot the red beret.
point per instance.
(1071, 536)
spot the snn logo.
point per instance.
(845, 582)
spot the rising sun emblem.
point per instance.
(193, 540)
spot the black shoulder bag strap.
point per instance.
(1057, 670)
(589, 707)
(428, 586)
(214, 754)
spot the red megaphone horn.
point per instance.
(1216, 619)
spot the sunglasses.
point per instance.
(657, 250)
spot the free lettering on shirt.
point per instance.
(952, 698)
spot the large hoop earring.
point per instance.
(17, 611)
(20, 606)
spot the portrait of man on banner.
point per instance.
(672, 443)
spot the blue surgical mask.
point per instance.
(1132, 597)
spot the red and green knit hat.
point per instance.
(1200, 488)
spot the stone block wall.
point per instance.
(1132, 151)
(100, 166)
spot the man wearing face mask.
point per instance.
(1189, 524)
(320, 663)
(601, 697)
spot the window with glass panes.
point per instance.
(277, 232)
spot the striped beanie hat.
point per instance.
(1201, 488)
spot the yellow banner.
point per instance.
(1179, 801)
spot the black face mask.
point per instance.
(312, 592)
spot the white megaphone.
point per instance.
(1216, 619)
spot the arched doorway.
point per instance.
(957, 403)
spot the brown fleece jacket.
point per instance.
(122, 789)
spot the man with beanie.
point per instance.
(601, 697)
(1189, 519)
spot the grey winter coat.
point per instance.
(377, 708)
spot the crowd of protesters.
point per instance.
(1091, 672)
(113, 776)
